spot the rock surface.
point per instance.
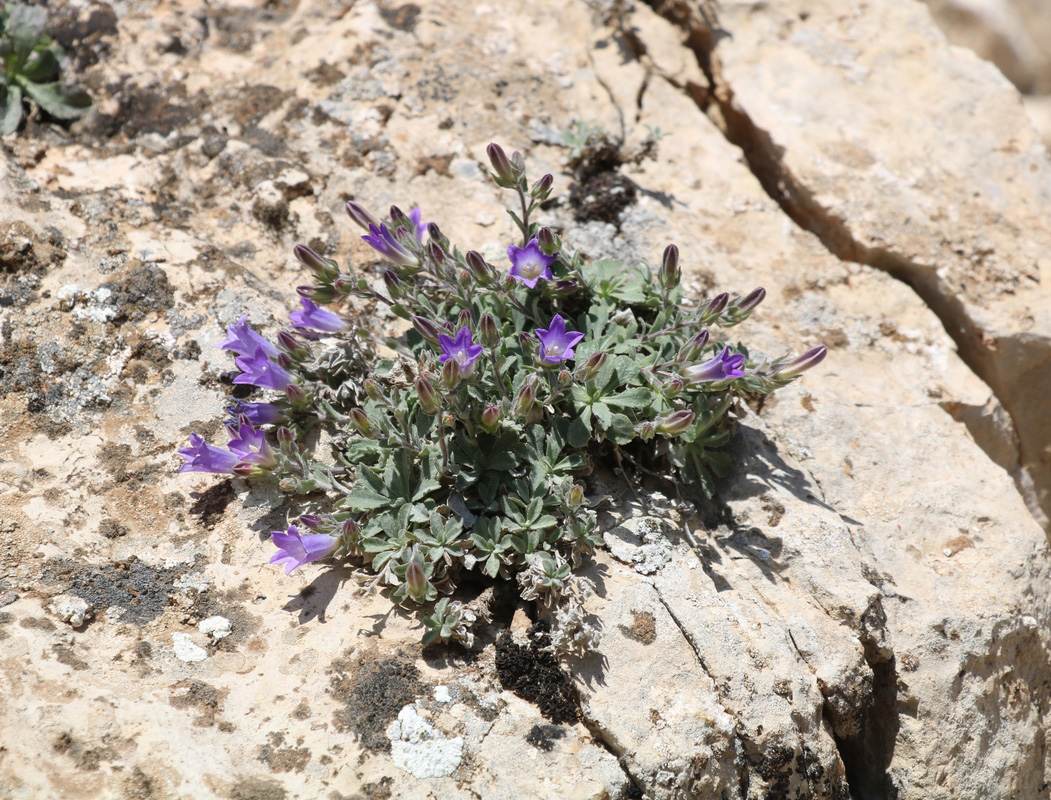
(866, 614)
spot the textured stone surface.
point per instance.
(866, 613)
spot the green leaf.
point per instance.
(401, 311)
(580, 430)
(621, 429)
(10, 110)
(42, 66)
(25, 25)
(58, 99)
(602, 414)
(364, 498)
(638, 397)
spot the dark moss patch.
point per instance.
(37, 623)
(373, 693)
(200, 696)
(144, 289)
(65, 655)
(257, 789)
(543, 737)
(139, 786)
(402, 18)
(535, 676)
(601, 197)
(86, 758)
(112, 529)
(643, 627)
(283, 759)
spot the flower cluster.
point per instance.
(470, 450)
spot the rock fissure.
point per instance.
(978, 352)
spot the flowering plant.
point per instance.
(469, 450)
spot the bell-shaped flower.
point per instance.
(295, 549)
(203, 457)
(383, 242)
(723, 367)
(256, 413)
(258, 370)
(416, 215)
(250, 445)
(556, 343)
(315, 317)
(461, 349)
(243, 340)
(529, 264)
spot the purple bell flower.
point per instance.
(256, 413)
(416, 215)
(556, 343)
(203, 457)
(529, 264)
(723, 367)
(315, 317)
(250, 445)
(383, 241)
(258, 370)
(294, 549)
(243, 340)
(461, 350)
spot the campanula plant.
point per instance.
(470, 451)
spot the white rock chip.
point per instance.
(216, 627)
(186, 650)
(418, 748)
(74, 610)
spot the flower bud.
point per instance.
(751, 300)
(285, 435)
(450, 374)
(489, 333)
(670, 274)
(674, 387)
(549, 243)
(435, 234)
(590, 368)
(501, 165)
(463, 279)
(478, 267)
(800, 364)
(287, 342)
(350, 528)
(427, 329)
(491, 418)
(416, 578)
(542, 188)
(360, 215)
(517, 164)
(394, 284)
(693, 348)
(448, 420)
(429, 401)
(675, 423)
(564, 288)
(282, 360)
(373, 390)
(525, 399)
(248, 471)
(325, 268)
(296, 396)
(399, 217)
(565, 377)
(362, 424)
(311, 521)
(645, 430)
(717, 304)
(435, 251)
(463, 320)
(575, 496)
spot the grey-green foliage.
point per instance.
(32, 63)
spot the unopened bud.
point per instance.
(670, 274)
(360, 215)
(427, 329)
(501, 164)
(311, 521)
(693, 348)
(349, 528)
(282, 360)
(549, 243)
(542, 188)
(565, 377)
(525, 399)
(285, 435)
(435, 251)
(448, 420)
(575, 496)
(324, 268)
(717, 304)
(463, 320)
(564, 288)
(646, 430)
(395, 285)
(675, 423)
(436, 235)
(751, 300)
(450, 374)
(362, 424)
(489, 333)
(800, 364)
(674, 387)
(373, 390)
(590, 368)
(478, 267)
(491, 418)
(296, 396)
(429, 401)
(416, 580)
(248, 471)
(287, 342)
(517, 164)
(399, 217)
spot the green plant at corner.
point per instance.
(31, 66)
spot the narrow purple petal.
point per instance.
(203, 457)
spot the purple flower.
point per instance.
(250, 445)
(383, 241)
(723, 367)
(416, 215)
(241, 339)
(314, 316)
(294, 550)
(529, 264)
(461, 350)
(258, 370)
(556, 343)
(256, 413)
(203, 457)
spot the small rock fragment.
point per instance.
(186, 650)
(68, 608)
(420, 749)
(216, 627)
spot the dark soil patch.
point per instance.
(601, 197)
(535, 675)
(543, 737)
(373, 693)
(144, 289)
(200, 696)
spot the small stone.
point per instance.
(68, 608)
(7, 598)
(420, 749)
(216, 627)
(186, 650)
